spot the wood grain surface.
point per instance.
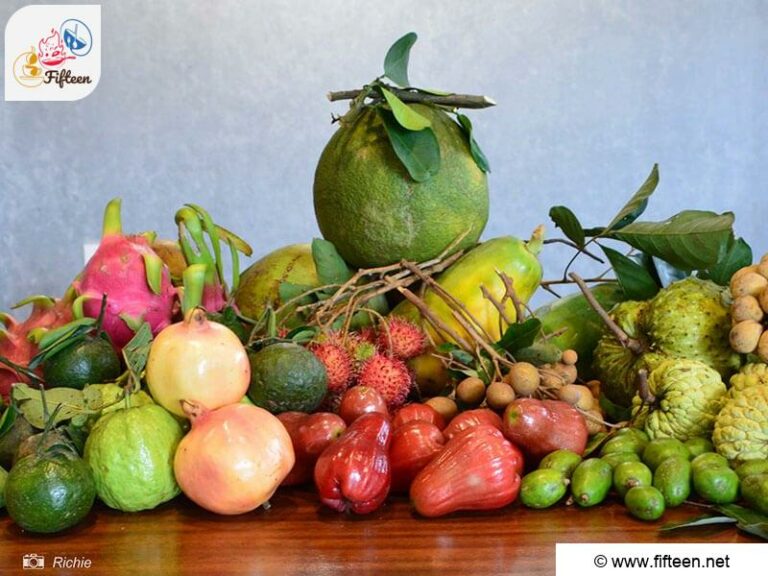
(298, 536)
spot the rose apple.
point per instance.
(414, 444)
(310, 435)
(470, 418)
(360, 400)
(539, 427)
(417, 411)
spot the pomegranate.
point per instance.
(197, 360)
(233, 459)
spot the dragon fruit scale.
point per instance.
(134, 278)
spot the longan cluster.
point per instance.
(749, 310)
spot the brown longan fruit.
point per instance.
(762, 268)
(762, 300)
(741, 271)
(567, 373)
(498, 395)
(762, 347)
(444, 406)
(747, 307)
(471, 391)
(577, 395)
(750, 283)
(745, 336)
(569, 357)
(524, 378)
(551, 378)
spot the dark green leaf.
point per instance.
(229, 318)
(302, 334)
(749, 521)
(690, 240)
(477, 154)
(637, 204)
(396, 60)
(738, 255)
(566, 220)
(63, 337)
(595, 442)
(404, 114)
(7, 420)
(705, 520)
(598, 231)
(520, 335)
(331, 268)
(289, 291)
(136, 352)
(418, 151)
(635, 280)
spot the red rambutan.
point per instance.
(390, 377)
(407, 340)
(338, 365)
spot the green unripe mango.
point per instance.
(625, 443)
(673, 479)
(699, 445)
(591, 481)
(615, 458)
(543, 488)
(645, 503)
(717, 485)
(630, 474)
(660, 449)
(564, 461)
(754, 489)
(752, 467)
(706, 459)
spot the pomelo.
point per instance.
(376, 214)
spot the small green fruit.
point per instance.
(716, 485)
(564, 461)
(591, 481)
(543, 488)
(645, 503)
(630, 474)
(673, 479)
(660, 449)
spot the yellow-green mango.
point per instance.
(479, 267)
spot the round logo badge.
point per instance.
(77, 37)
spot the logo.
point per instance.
(52, 52)
(33, 562)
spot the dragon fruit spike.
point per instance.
(134, 278)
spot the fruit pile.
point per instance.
(397, 355)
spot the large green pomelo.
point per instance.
(376, 214)
(260, 283)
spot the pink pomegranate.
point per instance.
(134, 278)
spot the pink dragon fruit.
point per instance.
(18, 340)
(134, 278)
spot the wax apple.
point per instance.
(310, 435)
(539, 427)
(353, 473)
(414, 445)
(478, 469)
(360, 400)
(470, 418)
(417, 411)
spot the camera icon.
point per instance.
(33, 562)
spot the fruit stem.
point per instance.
(631, 344)
(536, 241)
(642, 387)
(409, 95)
(112, 225)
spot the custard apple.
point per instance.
(688, 396)
(741, 427)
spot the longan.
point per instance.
(569, 357)
(577, 395)
(750, 283)
(762, 347)
(524, 378)
(747, 307)
(744, 336)
(444, 406)
(471, 391)
(498, 395)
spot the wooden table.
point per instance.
(299, 536)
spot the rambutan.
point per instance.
(337, 362)
(403, 338)
(390, 377)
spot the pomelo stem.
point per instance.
(537, 240)
(112, 225)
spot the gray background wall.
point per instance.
(223, 103)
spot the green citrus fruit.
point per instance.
(90, 361)
(49, 492)
(287, 377)
(131, 454)
(375, 213)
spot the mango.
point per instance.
(591, 482)
(476, 269)
(645, 503)
(564, 461)
(716, 485)
(630, 474)
(673, 479)
(543, 488)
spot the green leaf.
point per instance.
(520, 335)
(637, 204)
(63, 337)
(404, 114)
(136, 352)
(705, 520)
(477, 154)
(566, 220)
(738, 255)
(635, 280)
(690, 240)
(229, 318)
(331, 268)
(7, 420)
(418, 151)
(30, 403)
(749, 521)
(396, 60)
(288, 291)
(302, 335)
(595, 442)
